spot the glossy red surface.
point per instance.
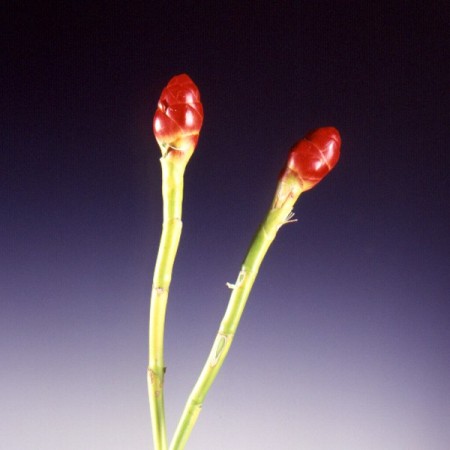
(179, 116)
(314, 156)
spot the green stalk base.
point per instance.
(172, 190)
(287, 193)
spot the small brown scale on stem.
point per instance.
(160, 290)
(156, 381)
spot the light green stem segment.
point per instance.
(287, 194)
(172, 191)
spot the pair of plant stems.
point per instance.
(279, 213)
(177, 125)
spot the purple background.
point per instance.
(345, 342)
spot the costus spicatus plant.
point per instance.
(176, 125)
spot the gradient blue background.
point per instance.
(345, 342)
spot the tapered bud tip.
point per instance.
(179, 116)
(314, 156)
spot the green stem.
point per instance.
(172, 191)
(287, 194)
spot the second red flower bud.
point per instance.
(314, 156)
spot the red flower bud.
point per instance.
(314, 156)
(179, 116)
